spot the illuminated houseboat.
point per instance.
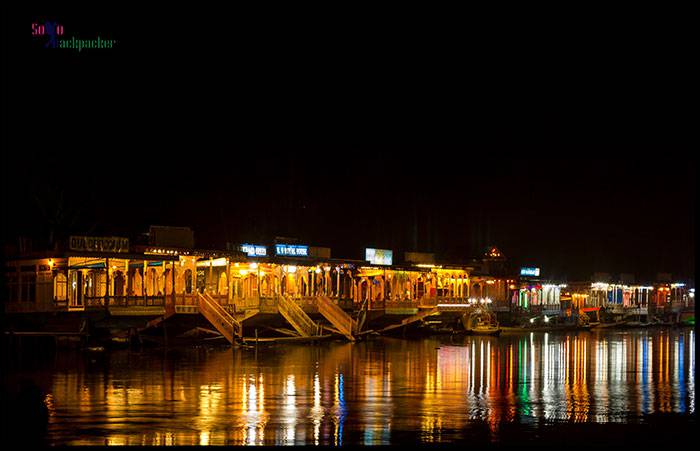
(242, 291)
(286, 287)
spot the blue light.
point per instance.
(530, 272)
(254, 250)
(292, 250)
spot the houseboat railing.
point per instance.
(124, 301)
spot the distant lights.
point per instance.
(548, 285)
(478, 301)
(158, 251)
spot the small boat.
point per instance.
(480, 322)
(486, 329)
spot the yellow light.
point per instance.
(253, 265)
(291, 269)
(51, 263)
(262, 273)
(236, 264)
(318, 270)
(243, 272)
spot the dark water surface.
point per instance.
(386, 391)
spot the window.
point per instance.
(60, 287)
(223, 283)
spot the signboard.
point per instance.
(292, 250)
(530, 272)
(253, 250)
(99, 243)
(378, 256)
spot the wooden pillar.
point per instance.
(313, 283)
(144, 292)
(172, 278)
(129, 285)
(107, 286)
(228, 277)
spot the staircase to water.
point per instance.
(295, 316)
(337, 317)
(222, 320)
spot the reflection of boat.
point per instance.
(480, 322)
(553, 323)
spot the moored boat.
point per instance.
(480, 322)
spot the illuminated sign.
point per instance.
(292, 250)
(99, 243)
(378, 256)
(254, 250)
(530, 272)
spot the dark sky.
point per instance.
(573, 160)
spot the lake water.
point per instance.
(384, 391)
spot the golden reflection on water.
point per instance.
(362, 393)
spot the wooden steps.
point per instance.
(337, 317)
(295, 316)
(222, 320)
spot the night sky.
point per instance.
(244, 132)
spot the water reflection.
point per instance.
(365, 393)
